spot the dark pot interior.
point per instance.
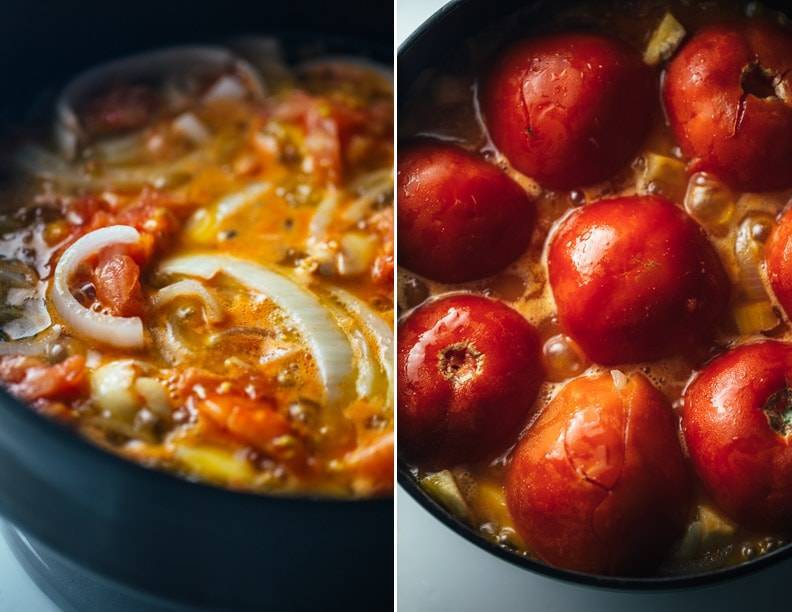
(143, 529)
(446, 31)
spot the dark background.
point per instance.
(41, 43)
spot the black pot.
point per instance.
(428, 47)
(142, 532)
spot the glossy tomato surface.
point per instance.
(598, 484)
(460, 218)
(569, 109)
(469, 372)
(737, 422)
(778, 257)
(728, 95)
(635, 279)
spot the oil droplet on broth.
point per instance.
(562, 358)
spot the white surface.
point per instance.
(18, 593)
(438, 571)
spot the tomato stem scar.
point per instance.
(460, 362)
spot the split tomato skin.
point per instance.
(724, 129)
(743, 462)
(569, 109)
(778, 260)
(598, 483)
(460, 218)
(469, 370)
(635, 279)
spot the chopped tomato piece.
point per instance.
(382, 270)
(373, 466)
(256, 422)
(328, 127)
(31, 379)
(151, 216)
(117, 282)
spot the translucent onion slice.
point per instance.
(226, 88)
(190, 288)
(157, 67)
(192, 128)
(749, 255)
(366, 366)
(234, 202)
(317, 227)
(372, 188)
(328, 344)
(31, 347)
(121, 332)
(380, 331)
(34, 317)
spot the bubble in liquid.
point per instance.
(709, 202)
(562, 358)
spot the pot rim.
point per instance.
(617, 583)
(128, 468)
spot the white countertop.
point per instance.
(439, 571)
(18, 593)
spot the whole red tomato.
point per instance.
(569, 109)
(737, 421)
(599, 484)
(469, 372)
(460, 218)
(635, 279)
(778, 257)
(728, 95)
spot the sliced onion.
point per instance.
(121, 332)
(227, 87)
(120, 150)
(380, 331)
(234, 202)
(366, 366)
(192, 289)
(31, 347)
(192, 128)
(328, 344)
(372, 188)
(156, 66)
(317, 228)
(34, 317)
(41, 163)
(749, 255)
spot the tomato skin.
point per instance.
(117, 281)
(569, 109)
(598, 483)
(778, 259)
(32, 379)
(460, 218)
(735, 136)
(446, 416)
(635, 279)
(254, 421)
(744, 464)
